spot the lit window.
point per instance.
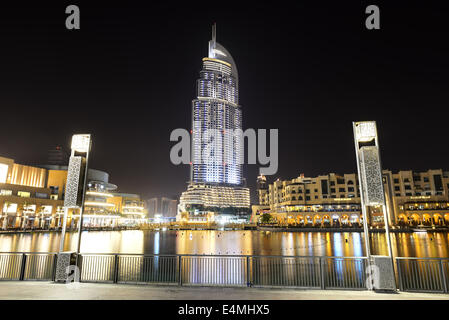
(3, 172)
(10, 207)
(5, 192)
(23, 194)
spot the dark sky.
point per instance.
(308, 68)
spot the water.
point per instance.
(232, 243)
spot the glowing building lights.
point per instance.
(101, 194)
(99, 204)
(215, 172)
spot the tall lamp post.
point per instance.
(74, 198)
(372, 194)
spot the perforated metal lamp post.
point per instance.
(74, 195)
(372, 193)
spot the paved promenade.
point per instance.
(92, 291)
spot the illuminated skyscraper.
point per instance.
(215, 111)
(216, 170)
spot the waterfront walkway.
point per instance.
(92, 291)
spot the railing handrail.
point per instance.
(23, 252)
(222, 255)
(216, 255)
(333, 271)
(424, 258)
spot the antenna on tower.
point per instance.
(214, 32)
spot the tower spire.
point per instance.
(214, 32)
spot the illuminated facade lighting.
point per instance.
(101, 194)
(134, 212)
(216, 178)
(99, 204)
(216, 108)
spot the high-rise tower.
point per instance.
(214, 112)
(216, 180)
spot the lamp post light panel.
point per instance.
(81, 142)
(368, 160)
(365, 131)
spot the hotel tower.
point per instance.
(216, 182)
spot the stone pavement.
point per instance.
(96, 291)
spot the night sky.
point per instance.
(308, 69)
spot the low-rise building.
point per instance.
(131, 207)
(412, 197)
(32, 197)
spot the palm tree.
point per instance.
(24, 212)
(41, 213)
(5, 219)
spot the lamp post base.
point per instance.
(383, 276)
(65, 259)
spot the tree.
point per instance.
(265, 217)
(5, 219)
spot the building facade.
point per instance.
(419, 197)
(32, 197)
(413, 198)
(130, 208)
(216, 180)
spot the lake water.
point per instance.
(231, 243)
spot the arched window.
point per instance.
(350, 182)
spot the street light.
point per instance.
(372, 194)
(74, 196)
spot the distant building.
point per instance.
(58, 156)
(262, 183)
(164, 209)
(131, 208)
(412, 198)
(258, 210)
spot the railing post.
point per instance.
(322, 276)
(80, 264)
(55, 262)
(22, 266)
(248, 272)
(401, 286)
(180, 270)
(116, 268)
(443, 276)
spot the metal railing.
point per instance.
(27, 265)
(423, 274)
(225, 270)
(274, 271)
(413, 274)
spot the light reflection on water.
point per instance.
(232, 243)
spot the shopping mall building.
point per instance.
(32, 197)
